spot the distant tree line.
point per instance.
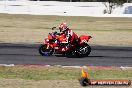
(111, 4)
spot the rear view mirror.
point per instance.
(53, 28)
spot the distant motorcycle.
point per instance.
(56, 43)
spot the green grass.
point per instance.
(58, 73)
(77, 23)
(111, 74)
(33, 28)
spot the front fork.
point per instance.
(47, 46)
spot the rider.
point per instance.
(71, 37)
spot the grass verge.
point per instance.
(33, 28)
(59, 73)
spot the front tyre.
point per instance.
(44, 51)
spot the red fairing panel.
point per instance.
(84, 38)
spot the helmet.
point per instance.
(63, 26)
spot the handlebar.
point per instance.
(53, 35)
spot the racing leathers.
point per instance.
(71, 38)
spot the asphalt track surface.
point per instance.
(20, 54)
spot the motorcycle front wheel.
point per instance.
(44, 51)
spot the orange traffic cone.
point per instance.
(84, 80)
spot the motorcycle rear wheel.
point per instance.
(44, 51)
(84, 50)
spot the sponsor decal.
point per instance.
(110, 82)
(85, 81)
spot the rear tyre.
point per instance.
(84, 50)
(44, 51)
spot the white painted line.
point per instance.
(47, 65)
(71, 66)
(125, 68)
(9, 65)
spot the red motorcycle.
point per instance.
(56, 43)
